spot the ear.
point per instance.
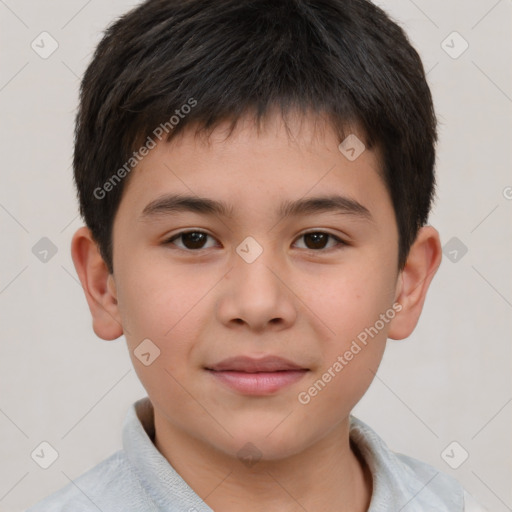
(98, 285)
(414, 280)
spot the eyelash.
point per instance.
(341, 243)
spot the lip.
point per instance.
(262, 376)
(252, 365)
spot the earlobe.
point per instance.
(98, 285)
(422, 263)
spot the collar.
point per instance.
(160, 480)
(398, 481)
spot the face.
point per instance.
(299, 263)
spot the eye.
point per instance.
(197, 240)
(191, 240)
(316, 240)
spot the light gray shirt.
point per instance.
(138, 478)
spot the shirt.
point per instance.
(138, 478)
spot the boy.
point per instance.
(256, 178)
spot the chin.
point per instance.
(255, 442)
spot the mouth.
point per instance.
(252, 376)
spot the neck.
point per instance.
(329, 475)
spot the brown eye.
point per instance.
(316, 240)
(191, 240)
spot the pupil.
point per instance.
(194, 239)
(318, 240)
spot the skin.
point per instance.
(297, 300)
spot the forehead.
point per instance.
(295, 157)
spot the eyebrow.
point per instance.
(174, 203)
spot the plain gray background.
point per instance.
(450, 381)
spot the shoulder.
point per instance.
(470, 505)
(401, 480)
(110, 486)
(442, 484)
(436, 485)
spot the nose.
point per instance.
(257, 295)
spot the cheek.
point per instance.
(351, 307)
(162, 306)
(155, 297)
(168, 307)
(349, 300)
